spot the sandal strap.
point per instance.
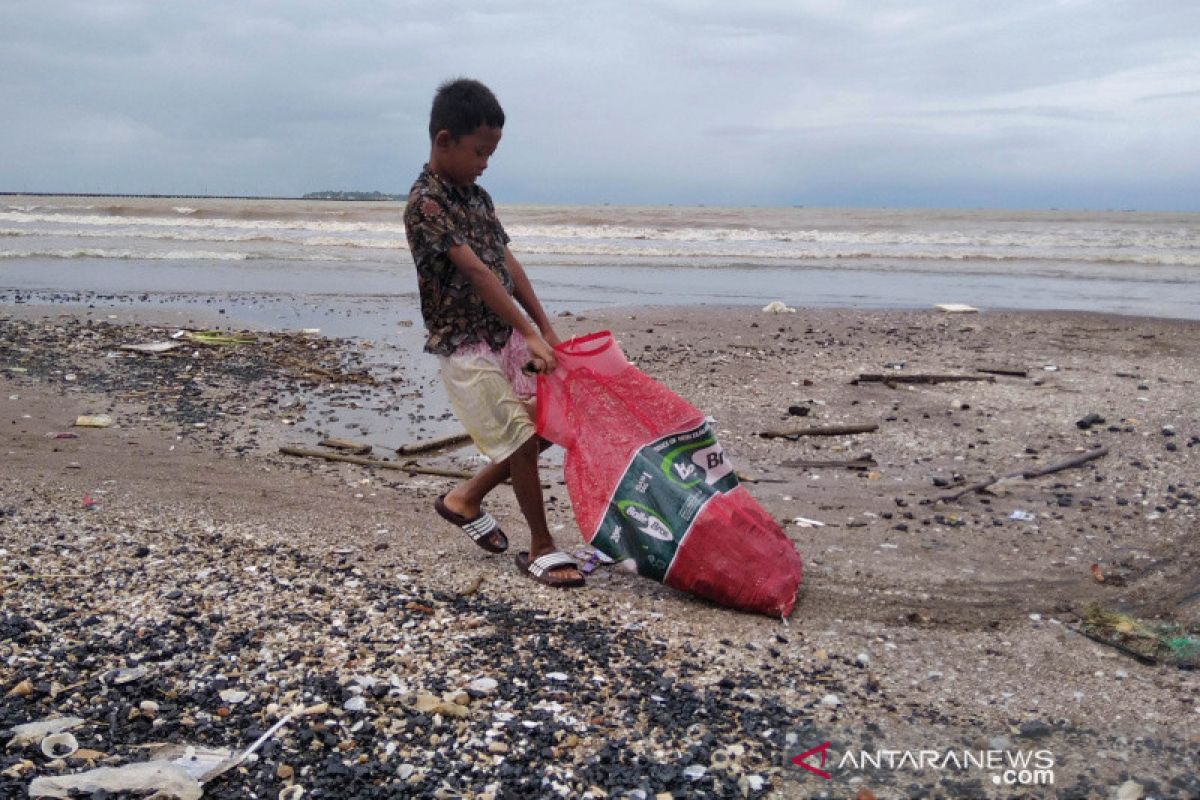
(481, 526)
(543, 564)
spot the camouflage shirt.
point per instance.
(437, 217)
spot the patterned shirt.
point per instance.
(438, 216)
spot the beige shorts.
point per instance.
(489, 393)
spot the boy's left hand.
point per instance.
(540, 351)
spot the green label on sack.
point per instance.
(662, 492)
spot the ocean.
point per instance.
(580, 257)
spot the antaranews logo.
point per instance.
(1007, 767)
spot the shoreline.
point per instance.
(935, 625)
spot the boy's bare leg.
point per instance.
(467, 498)
(527, 486)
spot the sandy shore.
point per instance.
(179, 541)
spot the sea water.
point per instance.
(317, 253)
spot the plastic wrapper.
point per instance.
(651, 487)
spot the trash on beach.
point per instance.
(203, 764)
(1150, 643)
(590, 558)
(805, 522)
(62, 435)
(152, 348)
(93, 421)
(1021, 516)
(778, 307)
(32, 732)
(161, 777)
(219, 338)
(956, 308)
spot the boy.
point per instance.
(470, 285)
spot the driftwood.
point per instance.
(1015, 372)
(860, 463)
(429, 445)
(888, 378)
(413, 469)
(347, 446)
(1028, 474)
(821, 430)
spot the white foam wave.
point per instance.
(374, 244)
(183, 210)
(834, 254)
(96, 220)
(95, 252)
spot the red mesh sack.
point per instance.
(652, 488)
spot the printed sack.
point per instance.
(651, 487)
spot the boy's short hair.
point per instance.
(461, 106)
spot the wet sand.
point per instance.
(216, 562)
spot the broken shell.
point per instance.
(31, 732)
(59, 745)
(124, 674)
(293, 792)
(233, 696)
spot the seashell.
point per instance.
(233, 696)
(33, 731)
(293, 792)
(59, 745)
(125, 674)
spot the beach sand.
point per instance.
(180, 540)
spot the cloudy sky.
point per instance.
(971, 103)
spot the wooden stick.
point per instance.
(821, 430)
(357, 448)
(866, 462)
(1074, 461)
(413, 469)
(1059, 466)
(1013, 371)
(889, 378)
(454, 440)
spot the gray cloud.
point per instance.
(1071, 103)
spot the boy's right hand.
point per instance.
(541, 351)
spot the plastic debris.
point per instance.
(1021, 516)
(32, 732)
(778, 307)
(93, 421)
(162, 777)
(805, 522)
(590, 558)
(152, 348)
(1150, 643)
(220, 338)
(956, 308)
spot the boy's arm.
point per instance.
(524, 294)
(492, 292)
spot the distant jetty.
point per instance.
(352, 196)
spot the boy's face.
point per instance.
(460, 161)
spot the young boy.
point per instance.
(471, 285)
